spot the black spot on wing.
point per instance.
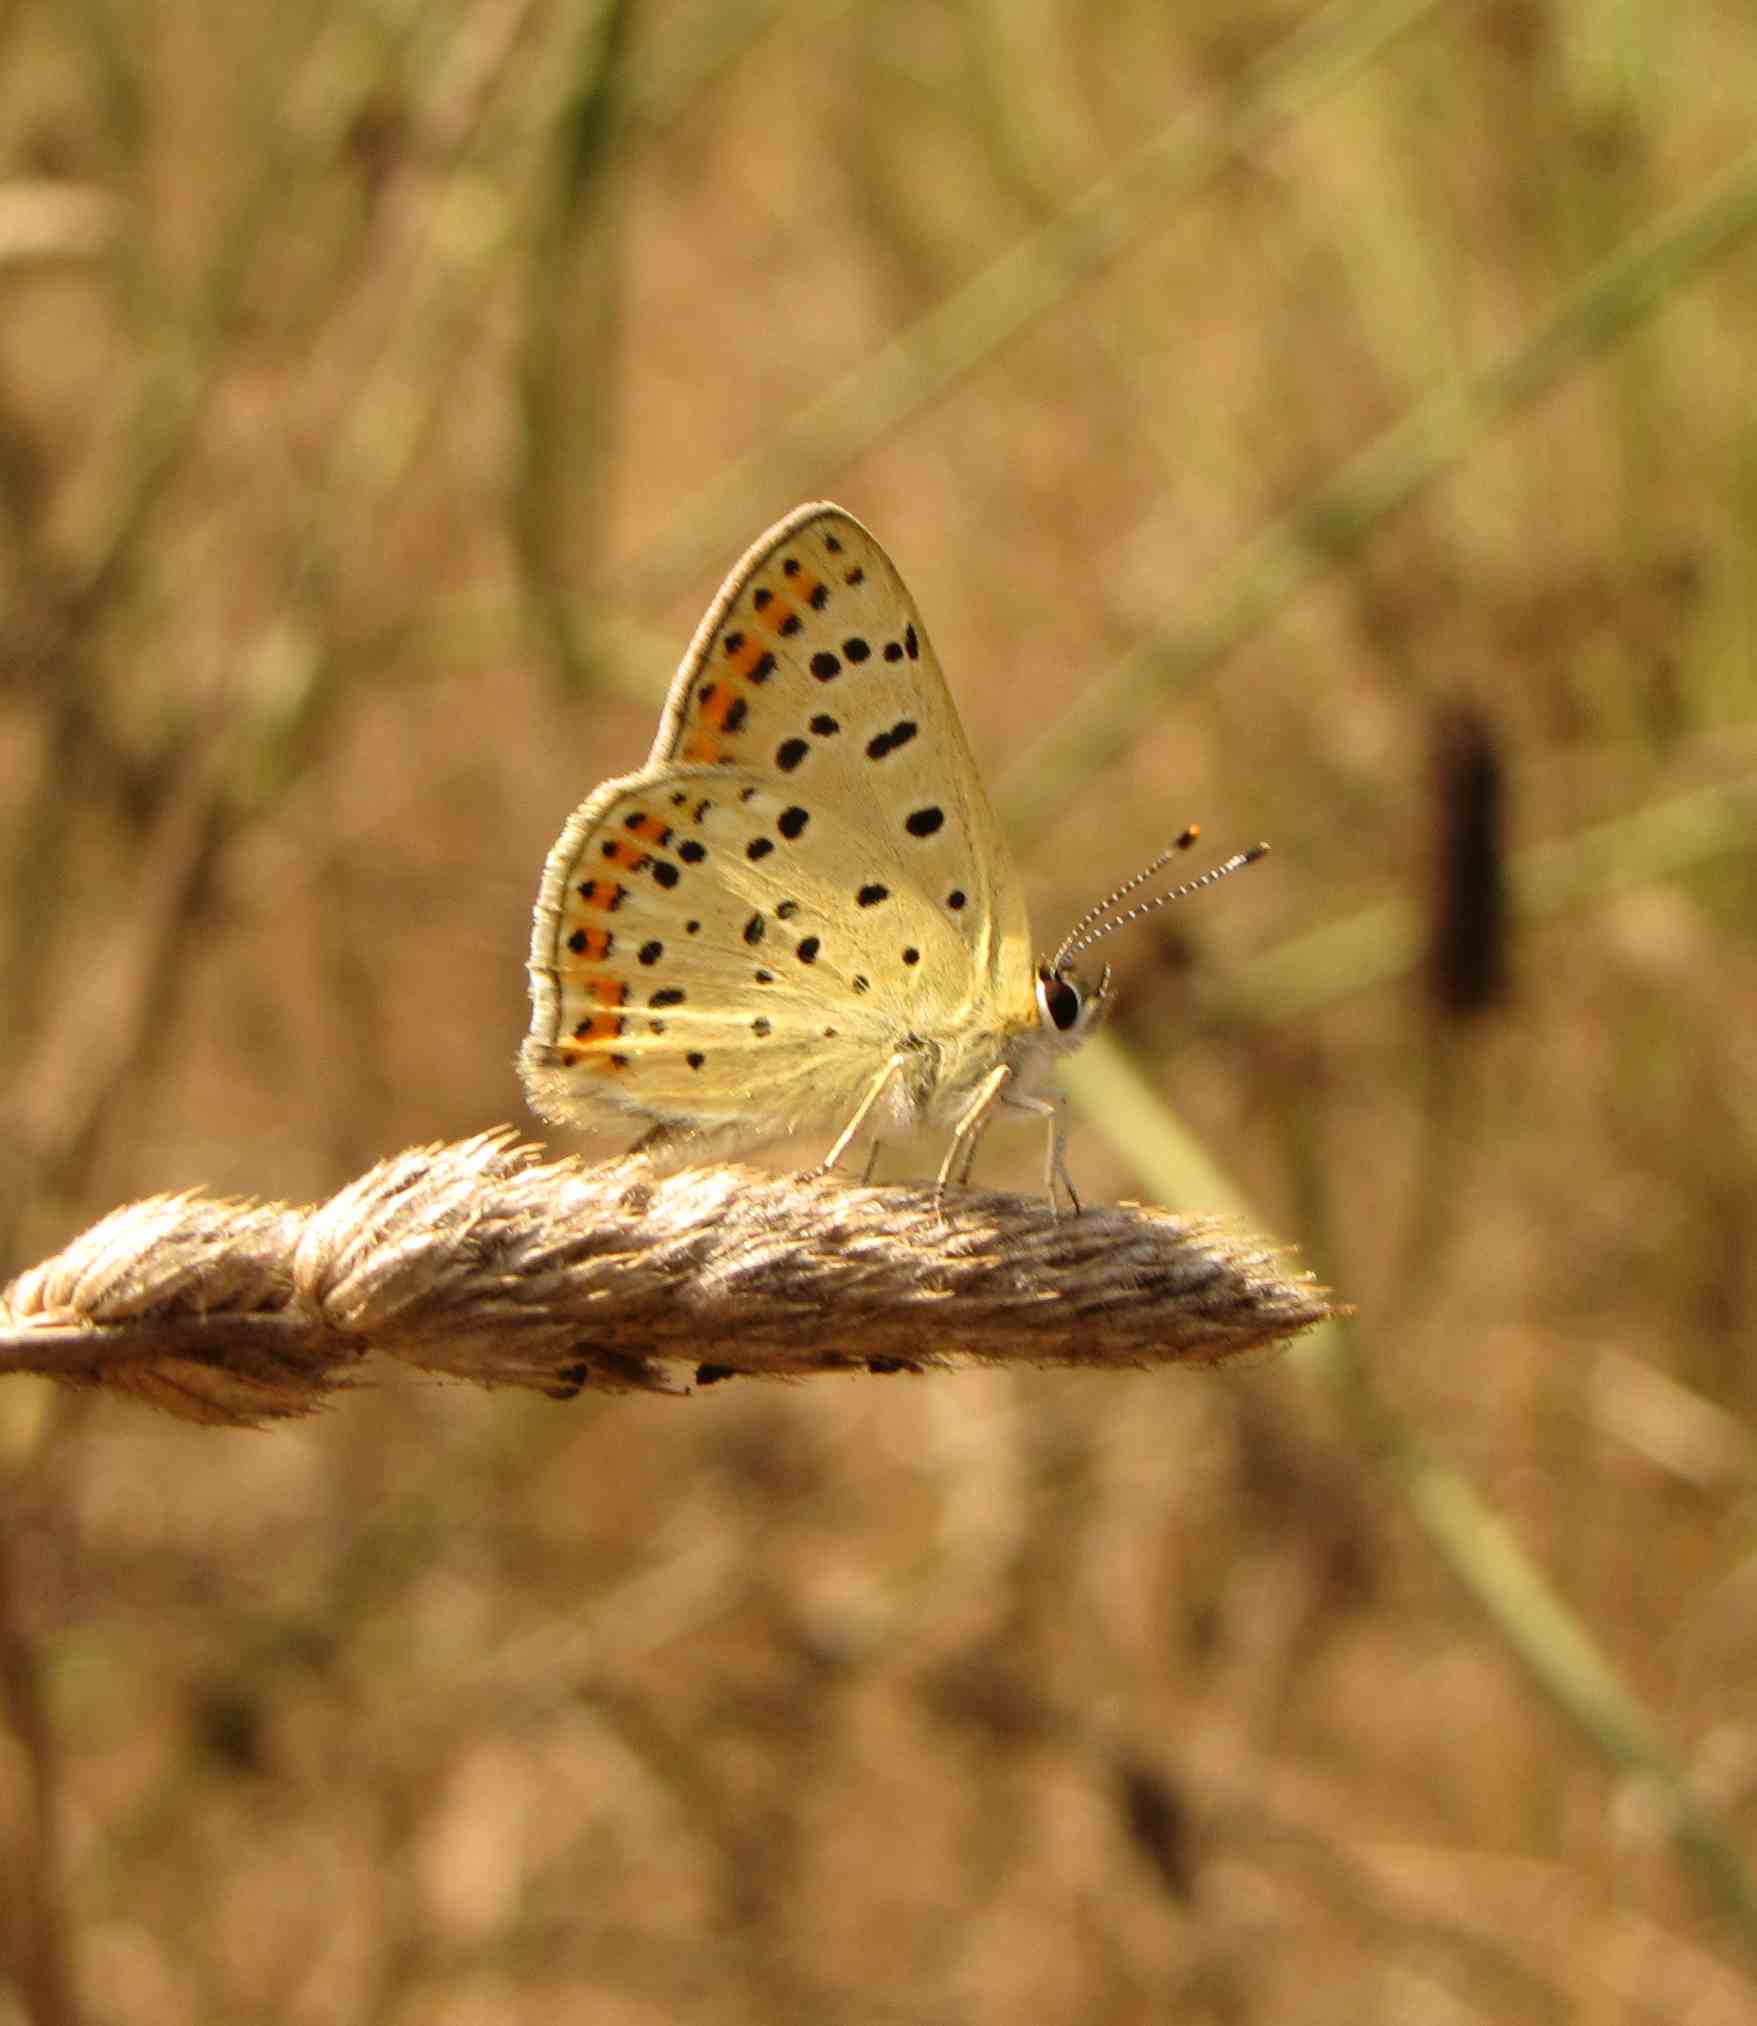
(882, 744)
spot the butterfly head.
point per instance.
(1068, 1009)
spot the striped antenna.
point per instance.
(1100, 921)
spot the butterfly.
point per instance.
(802, 909)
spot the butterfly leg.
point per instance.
(1055, 1166)
(862, 1112)
(961, 1154)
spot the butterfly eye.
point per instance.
(1058, 1002)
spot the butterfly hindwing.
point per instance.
(701, 953)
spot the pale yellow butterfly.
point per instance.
(801, 908)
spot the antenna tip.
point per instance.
(1255, 852)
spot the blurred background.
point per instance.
(1332, 424)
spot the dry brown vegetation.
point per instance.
(1334, 424)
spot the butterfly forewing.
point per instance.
(806, 871)
(813, 666)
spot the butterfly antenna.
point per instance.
(1182, 842)
(1099, 921)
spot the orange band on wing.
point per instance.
(750, 658)
(599, 1027)
(618, 851)
(721, 707)
(605, 1061)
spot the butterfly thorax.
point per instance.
(1026, 1037)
